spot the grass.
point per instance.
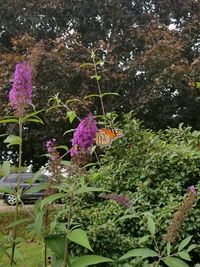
(29, 253)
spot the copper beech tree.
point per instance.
(150, 51)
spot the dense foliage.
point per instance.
(154, 170)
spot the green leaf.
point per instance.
(143, 239)
(100, 62)
(88, 189)
(38, 225)
(7, 190)
(92, 95)
(50, 199)
(69, 131)
(97, 77)
(174, 262)
(184, 255)
(71, 115)
(13, 140)
(109, 93)
(9, 120)
(86, 65)
(6, 168)
(151, 225)
(56, 243)
(62, 147)
(198, 85)
(38, 174)
(168, 246)
(79, 236)
(58, 263)
(139, 252)
(34, 120)
(191, 247)
(17, 222)
(184, 243)
(86, 260)
(36, 189)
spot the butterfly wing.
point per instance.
(106, 136)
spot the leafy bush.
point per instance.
(155, 171)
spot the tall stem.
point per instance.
(98, 85)
(18, 192)
(69, 217)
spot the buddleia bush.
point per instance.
(154, 170)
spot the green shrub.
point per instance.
(155, 171)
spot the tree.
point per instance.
(150, 48)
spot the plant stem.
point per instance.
(18, 192)
(45, 245)
(98, 85)
(66, 251)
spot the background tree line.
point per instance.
(151, 51)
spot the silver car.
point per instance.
(10, 181)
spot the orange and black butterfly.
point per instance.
(105, 136)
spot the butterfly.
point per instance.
(106, 136)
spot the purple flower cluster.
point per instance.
(192, 189)
(123, 200)
(50, 145)
(20, 94)
(84, 135)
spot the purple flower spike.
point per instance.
(192, 189)
(20, 94)
(83, 138)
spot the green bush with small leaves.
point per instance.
(154, 170)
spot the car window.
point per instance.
(12, 178)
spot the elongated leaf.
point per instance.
(6, 168)
(57, 244)
(13, 140)
(35, 120)
(143, 239)
(79, 236)
(7, 190)
(191, 247)
(151, 225)
(168, 246)
(92, 95)
(89, 260)
(36, 188)
(109, 93)
(184, 243)
(62, 147)
(139, 252)
(9, 121)
(50, 199)
(88, 189)
(39, 222)
(18, 222)
(86, 65)
(38, 174)
(33, 114)
(174, 262)
(69, 131)
(100, 62)
(184, 255)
